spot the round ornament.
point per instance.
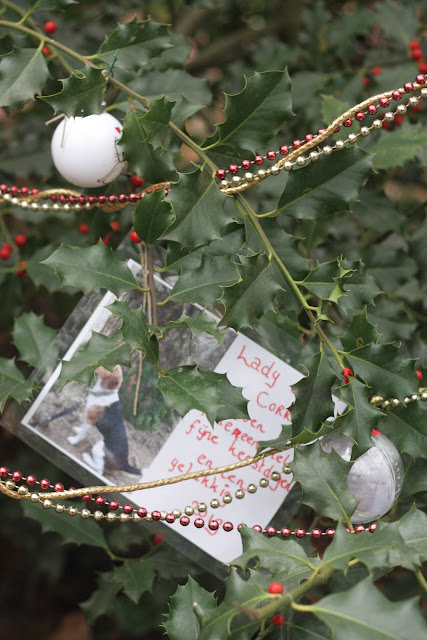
(375, 478)
(85, 150)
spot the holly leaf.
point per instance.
(232, 403)
(203, 284)
(83, 92)
(155, 122)
(143, 159)
(199, 211)
(415, 479)
(406, 426)
(359, 286)
(35, 341)
(226, 621)
(253, 294)
(152, 217)
(255, 115)
(326, 186)
(362, 417)
(183, 623)
(189, 388)
(285, 245)
(103, 599)
(413, 528)
(105, 351)
(323, 478)
(135, 331)
(71, 530)
(401, 147)
(324, 281)
(12, 383)
(135, 576)
(332, 108)
(395, 22)
(313, 402)
(131, 45)
(91, 268)
(363, 612)
(384, 369)
(202, 323)
(23, 73)
(360, 333)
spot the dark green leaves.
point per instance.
(135, 331)
(358, 422)
(407, 427)
(35, 341)
(155, 122)
(23, 73)
(198, 206)
(400, 148)
(81, 95)
(135, 576)
(183, 623)
(255, 115)
(91, 268)
(323, 477)
(203, 323)
(12, 383)
(326, 186)
(152, 217)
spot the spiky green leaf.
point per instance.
(81, 94)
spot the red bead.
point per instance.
(50, 26)
(285, 532)
(58, 487)
(233, 168)
(372, 527)
(409, 87)
(184, 520)
(72, 199)
(44, 483)
(142, 512)
(34, 192)
(271, 531)
(348, 122)
(228, 526)
(22, 268)
(14, 191)
(156, 515)
(396, 95)
(417, 54)
(336, 129)
(86, 498)
(83, 228)
(46, 52)
(213, 525)
(246, 164)
(133, 197)
(199, 523)
(137, 182)
(93, 199)
(114, 505)
(309, 137)
(271, 155)
(99, 501)
(360, 116)
(319, 133)
(359, 529)
(278, 620)
(220, 174)
(123, 198)
(420, 79)
(72, 489)
(30, 480)
(239, 526)
(365, 81)
(63, 198)
(414, 44)
(256, 527)
(16, 476)
(24, 191)
(258, 160)
(102, 199)
(128, 508)
(275, 587)
(316, 534)
(330, 533)
(112, 199)
(4, 188)
(135, 237)
(300, 533)
(376, 71)
(284, 150)
(422, 66)
(372, 109)
(170, 518)
(158, 539)
(296, 144)
(384, 102)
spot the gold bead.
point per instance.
(22, 491)
(395, 402)
(47, 504)
(300, 161)
(163, 515)
(72, 511)
(313, 155)
(287, 469)
(327, 150)
(386, 404)
(222, 185)
(274, 170)
(376, 400)
(287, 166)
(364, 131)
(249, 176)
(34, 497)
(111, 516)
(85, 514)
(236, 180)
(98, 515)
(252, 488)
(149, 517)
(401, 109)
(377, 124)
(214, 503)
(124, 517)
(261, 174)
(201, 507)
(413, 101)
(177, 512)
(352, 137)
(227, 498)
(340, 144)
(424, 395)
(275, 475)
(189, 511)
(389, 116)
(60, 508)
(424, 92)
(10, 484)
(414, 397)
(240, 494)
(136, 517)
(263, 483)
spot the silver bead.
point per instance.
(24, 204)
(389, 116)
(261, 174)
(88, 205)
(22, 491)
(386, 404)
(364, 131)
(34, 206)
(274, 170)
(47, 504)
(252, 488)
(235, 180)
(149, 517)
(66, 207)
(424, 395)
(10, 484)
(264, 483)
(56, 207)
(60, 508)
(136, 517)
(423, 94)
(313, 155)
(189, 511)
(110, 516)
(34, 497)
(406, 400)
(340, 144)
(85, 514)
(124, 517)
(414, 397)
(395, 402)
(275, 475)
(177, 512)
(45, 207)
(287, 166)
(287, 469)
(72, 511)
(98, 515)
(214, 503)
(240, 494)
(223, 184)
(7, 196)
(15, 201)
(249, 176)
(401, 109)
(227, 498)
(300, 161)
(77, 207)
(352, 137)
(202, 507)
(377, 124)
(327, 150)
(413, 101)
(163, 515)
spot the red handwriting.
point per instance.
(256, 364)
(278, 410)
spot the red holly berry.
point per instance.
(115, 226)
(20, 239)
(50, 26)
(106, 239)
(135, 237)
(414, 44)
(84, 228)
(303, 341)
(136, 181)
(46, 51)
(422, 66)
(347, 372)
(376, 71)
(398, 119)
(5, 251)
(416, 54)
(365, 81)
(158, 539)
(419, 375)
(278, 620)
(22, 268)
(385, 124)
(417, 108)
(275, 587)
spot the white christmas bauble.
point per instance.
(375, 478)
(85, 150)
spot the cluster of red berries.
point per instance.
(417, 54)
(50, 27)
(277, 589)
(6, 251)
(115, 228)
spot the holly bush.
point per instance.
(324, 265)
